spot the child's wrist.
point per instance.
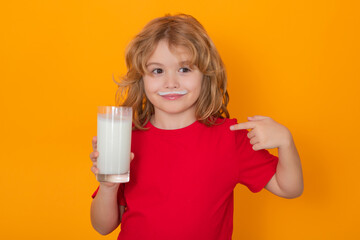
(109, 187)
(288, 140)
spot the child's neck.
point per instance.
(172, 121)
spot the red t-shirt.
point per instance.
(181, 181)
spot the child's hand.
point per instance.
(94, 155)
(265, 133)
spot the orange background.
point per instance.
(296, 61)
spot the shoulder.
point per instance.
(224, 124)
(221, 128)
(240, 136)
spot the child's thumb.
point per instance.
(256, 118)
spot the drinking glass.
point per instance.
(114, 127)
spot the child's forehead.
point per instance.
(164, 50)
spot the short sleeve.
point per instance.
(120, 196)
(256, 168)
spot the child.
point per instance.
(187, 155)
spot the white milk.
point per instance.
(113, 144)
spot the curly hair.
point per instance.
(179, 30)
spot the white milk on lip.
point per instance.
(113, 145)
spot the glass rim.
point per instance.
(113, 107)
(114, 110)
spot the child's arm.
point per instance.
(105, 211)
(265, 134)
(288, 180)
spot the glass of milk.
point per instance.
(114, 125)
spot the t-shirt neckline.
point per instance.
(183, 130)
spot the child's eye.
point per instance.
(157, 71)
(185, 69)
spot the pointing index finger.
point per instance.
(243, 125)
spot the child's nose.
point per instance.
(171, 81)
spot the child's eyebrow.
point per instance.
(182, 63)
(153, 63)
(186, 62)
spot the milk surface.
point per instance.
(113, 144)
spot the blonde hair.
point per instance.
(179, 30)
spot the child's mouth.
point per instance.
(172, 95)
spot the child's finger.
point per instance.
(254, 141)
(244, 125)
(256, 118)
(94, 170)
(251, 134)
(94, 156)
(94, 143)
(132, 155)
(257, 147)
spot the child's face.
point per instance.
(171, 84)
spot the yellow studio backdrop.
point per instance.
(296, 61)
